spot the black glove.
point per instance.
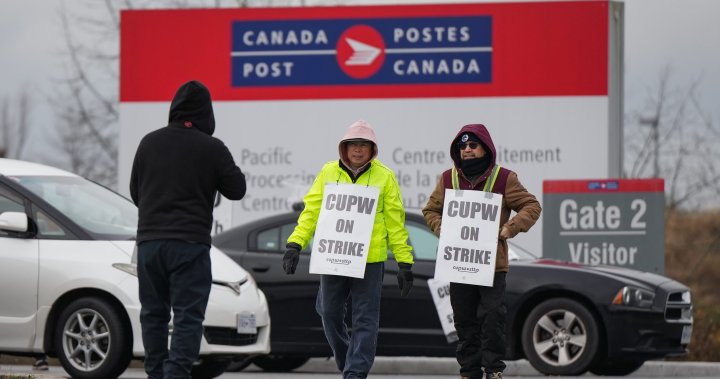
(405, 278)
(291, 257)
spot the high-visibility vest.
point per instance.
(489, 182)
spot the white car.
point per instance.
(68, 284)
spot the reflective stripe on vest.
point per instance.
(489, 184)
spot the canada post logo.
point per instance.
(362, 51)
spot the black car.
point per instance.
(564, 318)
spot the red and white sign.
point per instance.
(544, 77)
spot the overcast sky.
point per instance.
(681, 34)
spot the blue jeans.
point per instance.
(175, 275)
(354, 354)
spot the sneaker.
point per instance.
(40, 365)
(494, 375)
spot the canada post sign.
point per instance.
(362, 51)
(617, 222)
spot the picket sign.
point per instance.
(440, 291)
(344, 230)
(468, 237)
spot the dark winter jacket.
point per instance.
(515, 196)
(178, 170)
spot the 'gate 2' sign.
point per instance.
(617, 222)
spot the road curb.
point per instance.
(22, 375)
(417, 365)
(444, 366)
(449, 366)
(679, 369)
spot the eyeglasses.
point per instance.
(463, 145)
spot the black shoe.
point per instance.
(40, 365)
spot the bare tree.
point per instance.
(15, 124)
(671, 137)
(86, 101)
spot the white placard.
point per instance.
(344, 230)
(440, 291)
(468, 237)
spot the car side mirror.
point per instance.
(14, 222)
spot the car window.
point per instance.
(9, 202)
(48, 228)
(423, 241)
(269, 240)
(96, 209)
(275, 239)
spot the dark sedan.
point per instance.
(564, 318)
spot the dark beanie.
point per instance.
(470, 137)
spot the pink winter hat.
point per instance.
(359, 130)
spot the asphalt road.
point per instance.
(401, 368)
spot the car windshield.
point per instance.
(517, 253)
(100, 211)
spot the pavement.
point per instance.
(431, 366)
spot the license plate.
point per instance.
(686, 334)
(246, 323)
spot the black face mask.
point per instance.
(475, 166)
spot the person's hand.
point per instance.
(291, 258)
(505, 233)
(405, 278)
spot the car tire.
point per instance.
(92, 339)
(554, 348)
(616, 367)
(279, 362)
(209, 368)
(240, 363)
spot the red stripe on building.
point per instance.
(539, 49)
(623, 185)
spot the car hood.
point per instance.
(624, 274)
(223, 267)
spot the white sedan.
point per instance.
(68, 284)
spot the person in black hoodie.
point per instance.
(176, 174)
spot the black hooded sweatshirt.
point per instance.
(179, 168)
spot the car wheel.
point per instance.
(208, 368)
(279, 363)
(240, 363)
(91, 339)
(560, 337)
(616, 367)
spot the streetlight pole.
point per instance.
(654, 123)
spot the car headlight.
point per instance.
(130, 268)
(634, 297)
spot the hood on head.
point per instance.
(192, 104)
(481, 132)
(359, 130)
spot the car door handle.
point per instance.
(263, 268)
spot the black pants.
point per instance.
(172, 274)
(479, 314)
